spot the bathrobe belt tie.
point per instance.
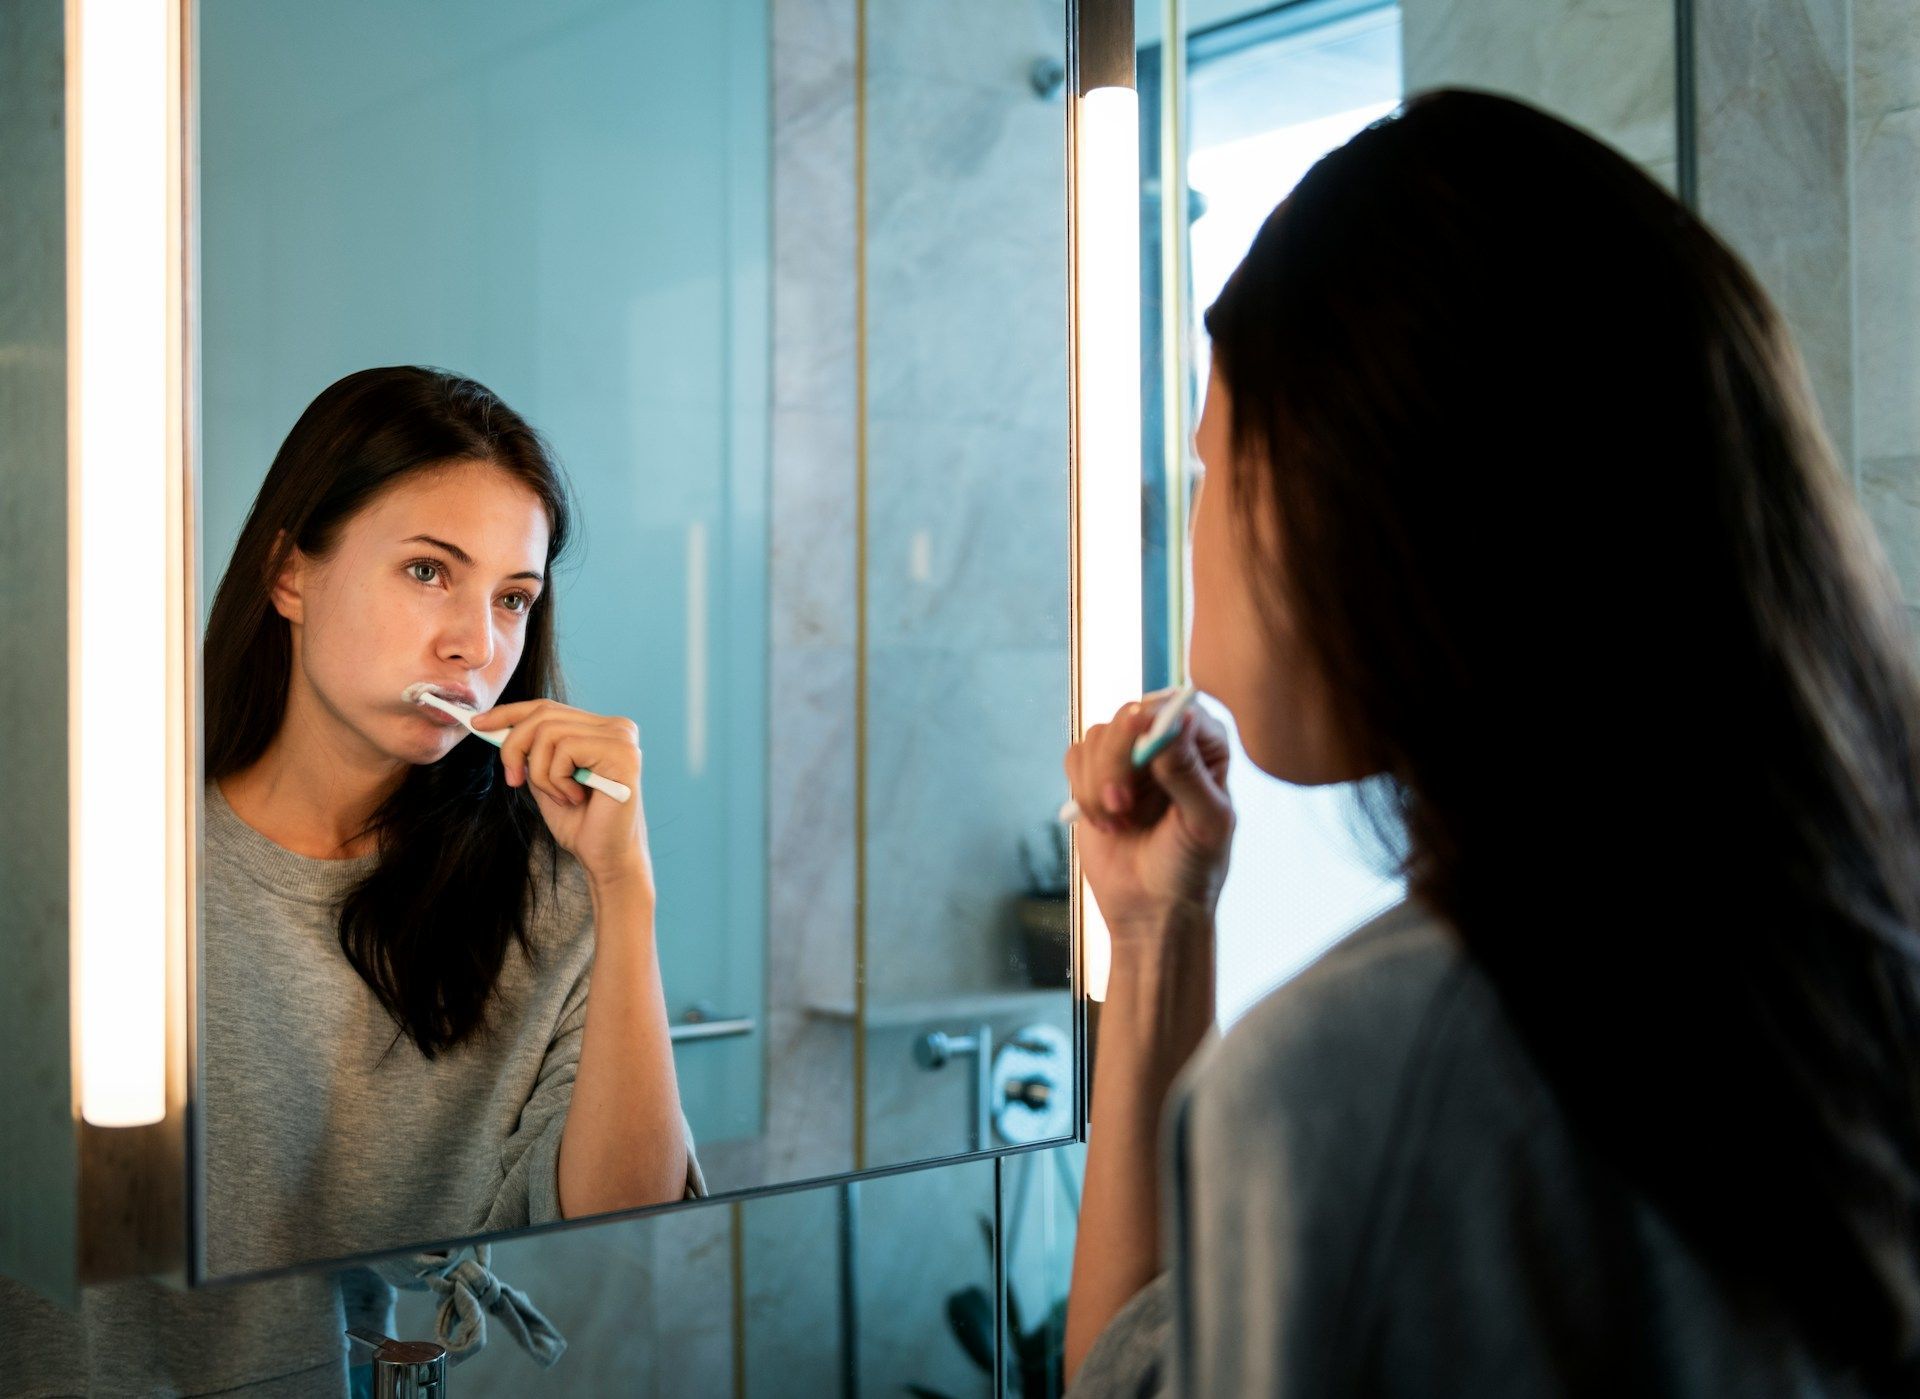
(470, 1292)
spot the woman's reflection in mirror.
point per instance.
(400, 923)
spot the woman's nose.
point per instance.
(469, 638)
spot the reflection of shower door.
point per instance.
(673, 629)
(610, 284)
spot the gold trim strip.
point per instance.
(860, 587)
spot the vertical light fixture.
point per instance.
(124, 545)
(1106, 249)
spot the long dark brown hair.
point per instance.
(1555, 515)
(461, 853)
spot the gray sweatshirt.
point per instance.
(324, 1137)
(1367, 1188)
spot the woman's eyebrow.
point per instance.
(461, 556)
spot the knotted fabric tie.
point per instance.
(469, 1294)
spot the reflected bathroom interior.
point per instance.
(822, 565)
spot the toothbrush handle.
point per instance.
(587, 777)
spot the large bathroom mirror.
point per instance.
(776, 295)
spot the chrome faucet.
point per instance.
(401, 1369)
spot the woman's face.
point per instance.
(433, 581)
(1254, 665)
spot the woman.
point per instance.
(1516, 506)
(399, 927)
(400, 1043)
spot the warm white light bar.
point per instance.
(119, 461)
(1107, 263)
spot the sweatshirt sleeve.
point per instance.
(530, 1190)
(1129, 1359)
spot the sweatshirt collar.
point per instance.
(274, 867)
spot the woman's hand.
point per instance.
(1154, 841)
(549, 740)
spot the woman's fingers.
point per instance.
(1192, 770)
(550, 740)
(1100, 771)
(524, 716)
(535, 739)
(605, 746)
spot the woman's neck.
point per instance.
(316, 787)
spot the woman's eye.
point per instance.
(432, 571)
(521, 598)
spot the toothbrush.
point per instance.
(1155, 741)
(421, 693)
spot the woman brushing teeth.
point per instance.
(397, 919)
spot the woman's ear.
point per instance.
(284, 588)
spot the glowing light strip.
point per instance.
(1107, 262)
(119, 465)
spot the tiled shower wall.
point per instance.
(1884, 139)
(1809, 159)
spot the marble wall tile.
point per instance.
(980, 41)
(1886, 251)
(1774, 171)
(1887, 265)
(810, 1094)
(1890, 491)
(810, 925)
(791, 1264)
(692, 1346)
(815, 194)
(1886, 55)
(1607, 65)
(924, 1237)
(968, 534)
(810, 779)
(818, 27)
(811, 530)
(811, 616)
(966, 749)
(966, 243)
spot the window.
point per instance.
(1267, 95)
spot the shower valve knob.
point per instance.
(1034, 1092)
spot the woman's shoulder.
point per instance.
(1317, 1076)
(1356, 1010)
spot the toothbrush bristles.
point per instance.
(420, 692)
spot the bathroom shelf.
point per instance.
(968, 1006)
